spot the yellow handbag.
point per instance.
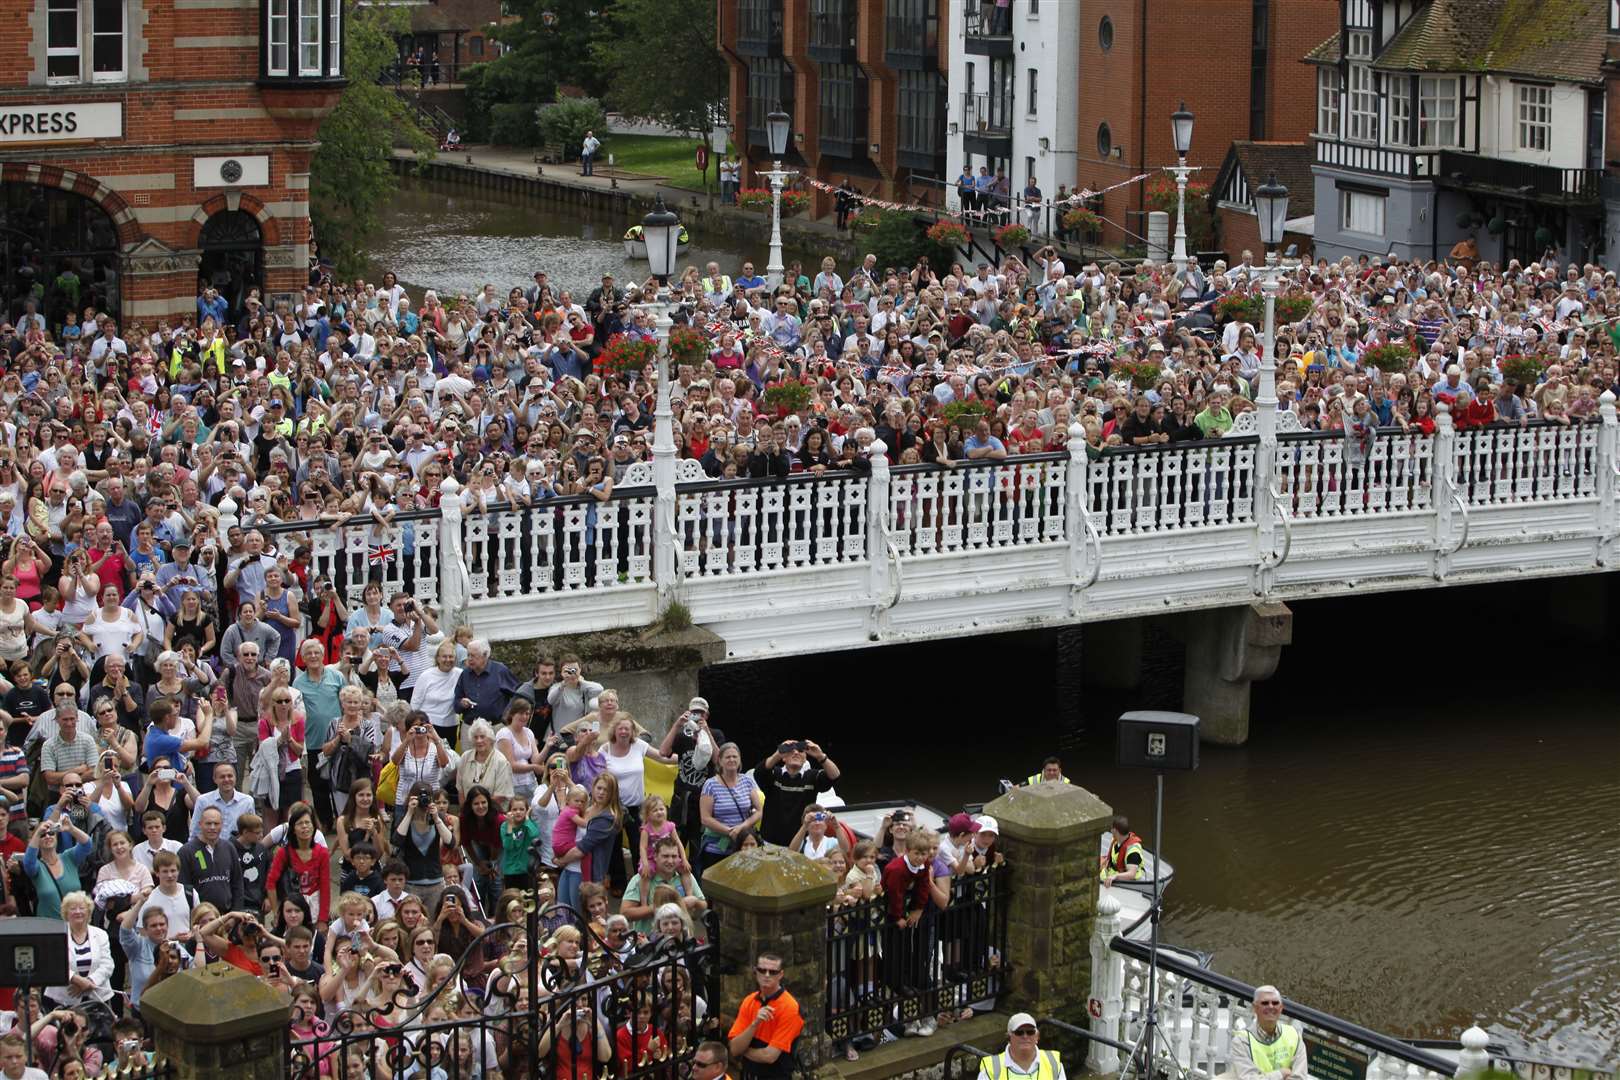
(388, 784)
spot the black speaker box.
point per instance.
(1167, 741)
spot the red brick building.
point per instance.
(147, 145)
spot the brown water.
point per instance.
(1414, 841)
(454, 240)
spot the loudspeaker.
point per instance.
(1158, 740)
(33, 952)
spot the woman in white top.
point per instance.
(111, 629)
(516, 741)
(435, 691)
(15, 622)
(111, 794)
(90, 962)
(154, 628)
(80, 586)
(624, 753)
(419, 759)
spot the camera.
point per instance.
(689, 729)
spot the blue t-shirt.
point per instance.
(160, 743)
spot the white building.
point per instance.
(1014, 91)
(1447, 120)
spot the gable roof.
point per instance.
(1549, 39)
(1326, 53)
(1289, 162)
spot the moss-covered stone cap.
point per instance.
(769, 879)
(215, 1004)
(1049, 813)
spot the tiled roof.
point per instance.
(1289, 162)
(1325, 53)
(1548, 39)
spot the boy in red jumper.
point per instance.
(908, 943)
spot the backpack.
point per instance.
(345, 766)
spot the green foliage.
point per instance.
(1161, 195)
(965, 415)
(549, 43)
(661, 60)
(351, 176)
(567, 121)
(1521, 370)
(498, 83)
(675, 616)
(513, 125)
(898, 241)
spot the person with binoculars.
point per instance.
(796, 772)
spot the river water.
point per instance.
(1418, 835)
(454, 240)
(1423, 831)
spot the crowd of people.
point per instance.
(215, 751)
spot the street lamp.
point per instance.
(777, 126)
(1271, 208)
(661, 229)
(1181, 127)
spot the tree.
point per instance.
(662, 62)
(352, 174)
(547, 45)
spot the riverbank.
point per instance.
(627, 196)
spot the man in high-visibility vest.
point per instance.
(1023, 1056)
(1051, 773)
(1270, 1049)
(1124, 858)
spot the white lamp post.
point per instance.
(1271, 208)
(1181, 126)
(777, 125)
(661, 229)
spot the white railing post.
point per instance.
(1443, 475)
(1607, 467)
(1107, 985)
(880, 581)
(1077, 520)
(1475, 1058)
(452, 557)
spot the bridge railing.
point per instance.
(1314, 477)
(1172, 486)
(974, 505)
(1510, 463)
(726, 527)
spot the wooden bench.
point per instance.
(550, 153)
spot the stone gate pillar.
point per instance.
(219, 1023)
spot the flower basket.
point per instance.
(1238, 306)
(1011, 236)
(787, 397)
(1144, 374)
(866, 221)
(948, 234)
(965, 415)
(1391, 359)
(760, 199)
(1290, 309)
(1082, 220)
(627, 355)
(1522, 370)
(688, 346)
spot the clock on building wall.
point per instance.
(230, 170)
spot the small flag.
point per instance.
(381, 553)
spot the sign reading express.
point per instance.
(1333, 1060)
(61, 123)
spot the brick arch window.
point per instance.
(302, 39)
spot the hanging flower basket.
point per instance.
(760, 199)
(627, 355)
(788, 397)
(965, 415)
(1522, 370)
(1011, 236)
(948, 233)
(1082, 220)
(688, 346)
(866, 220)
(1290, 309)
(1235, 306)
(1144, 374)
(1391, 359)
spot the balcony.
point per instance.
(759, 28)
(1499, 176)
(987, 124)
(832, 31)
(911, 39)
(770, 85)
(988, 28)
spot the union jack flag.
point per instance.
(381, 553)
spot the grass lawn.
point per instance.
(656, 155)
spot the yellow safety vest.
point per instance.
(1274, 1056)
(725, 284)
(1115, 860)
(1039, 779)
(1047, 1063)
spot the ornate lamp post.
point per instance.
(777, 125)
(1271, 207)
(1181, 127)
(661, 229)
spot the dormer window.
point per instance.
(302, 39)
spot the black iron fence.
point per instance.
(884, 972)
(581, 1006)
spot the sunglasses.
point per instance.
(1026, 1031)
(767, 971)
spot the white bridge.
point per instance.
(908, 553)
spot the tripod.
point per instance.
(1140, 1062)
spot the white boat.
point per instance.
(636, 248)
(1144, 885)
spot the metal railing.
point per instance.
(975, 505)
(883, 973)
(726, 527)
(759, 27)
(987, 115)
(1545, 180)
(983, 18)
(1173, 486)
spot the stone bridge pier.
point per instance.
(1227, 649)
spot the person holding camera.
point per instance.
(570, 696)
(790, 779)
(420, 836)
(692, 743)
(143, 934)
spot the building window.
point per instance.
(1535, 117)
(309, 37)
(1029, 169)
(1361, 212)
(770, 85)
(1328, 89)
(920, 104)
(1358, 45)
(843, 100)
(74, 28)
(1032, 94)
(1363, 105)
(475, 45)
(1105, 140)
(1437, 111)
(334, 33)
(276, 54)
(1105, 34)
(1400, 110)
